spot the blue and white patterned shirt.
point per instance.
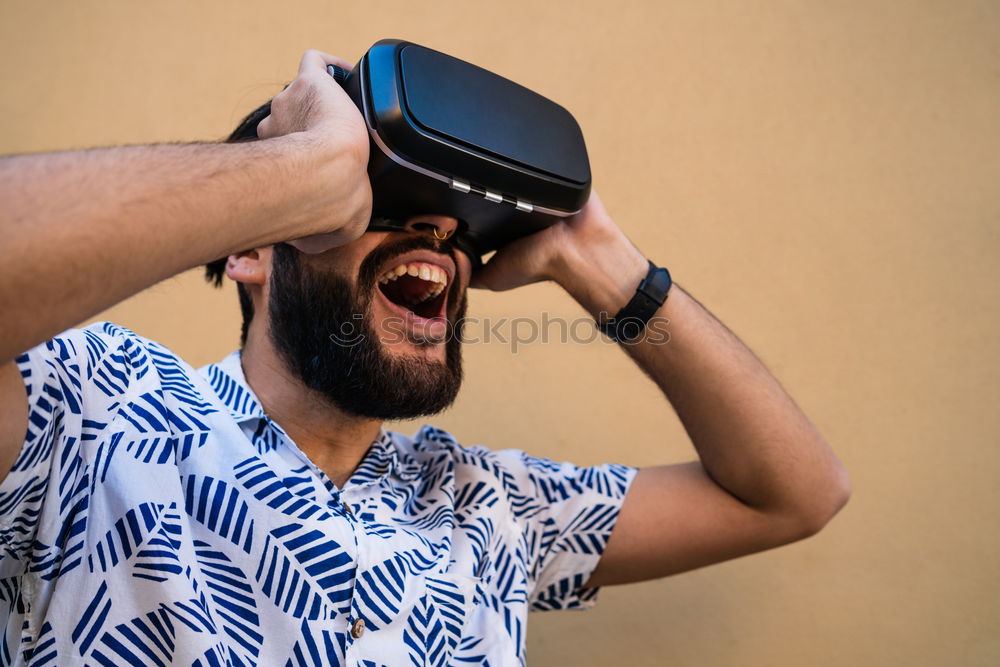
(157, 516)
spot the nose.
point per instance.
(439, 226)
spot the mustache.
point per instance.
(368, 271)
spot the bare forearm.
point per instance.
(83, 230)
(752, 439)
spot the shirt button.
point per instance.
(358, 628)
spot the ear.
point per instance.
(250, 267)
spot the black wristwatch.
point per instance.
(629, 323)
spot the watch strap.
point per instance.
(629, 322)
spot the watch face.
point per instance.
(660, 283)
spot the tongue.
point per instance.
(403, 292)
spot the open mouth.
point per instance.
(418, 287)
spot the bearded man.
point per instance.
(255, 511)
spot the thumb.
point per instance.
(476, 281)
(482, 278)
(492, 276)
(505, 271)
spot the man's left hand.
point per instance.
(587, 254)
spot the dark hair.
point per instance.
(214, 271)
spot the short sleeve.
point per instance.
(566, 513)
(47, 483)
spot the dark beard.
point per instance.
(309, 311)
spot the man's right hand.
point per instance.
(314, 103)
(83, 230)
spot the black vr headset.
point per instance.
(450, 138)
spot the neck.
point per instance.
(332, 439)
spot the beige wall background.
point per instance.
(824, 176)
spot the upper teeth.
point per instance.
(428, 272)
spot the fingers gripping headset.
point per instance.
(450, 138)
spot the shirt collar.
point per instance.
(383, 458)
(229, 383)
